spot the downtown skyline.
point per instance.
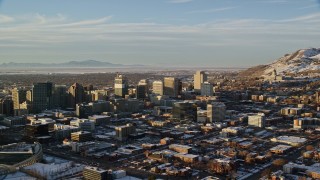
(165, 32)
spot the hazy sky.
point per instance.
(221, 33)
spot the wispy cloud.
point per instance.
(38, 37)
(179, 1)
(17, 45)
(214, 10)
(60, 31)
(6, 19)
(43, 19)
(315, 17)
(274, 1)
(309, 6)
(87, 22)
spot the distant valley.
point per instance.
(70, 64)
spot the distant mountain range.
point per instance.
(300, 61)
(70, 64)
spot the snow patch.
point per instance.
(297, 62)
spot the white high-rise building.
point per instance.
(199, 78)
(120, 85)
(157, 87)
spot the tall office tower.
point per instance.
(142, 89)
(172, 86)
(60, 96)
(216, 112)
(76, 95)
(41, 96)
(199, 78)
(6, 106)
(206, 89)
(184, 110)
(120, 86)
(83, 110)
(157, 87)
(18, 96)
(29, 96)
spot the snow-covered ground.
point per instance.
(297, 62)
(55, 168)
(55, 171)
(19, 176)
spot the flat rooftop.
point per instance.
(17, 148)
(81, 132)
(95, 169)
(293, 139)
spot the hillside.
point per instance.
(298, 62)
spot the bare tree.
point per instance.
(266, 173)
(249, 159)
(279, 162)
(309, 148)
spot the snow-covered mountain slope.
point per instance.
(297, 62)
(303, 60)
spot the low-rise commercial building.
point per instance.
(257, 120)
(306, 123)
(280, 149)
(187, 158)
(233, 130)
(81, 136)
(123, 132)
(95, 173)
(312, 171)
(291, 140)
(14, 121)
(180, 148)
